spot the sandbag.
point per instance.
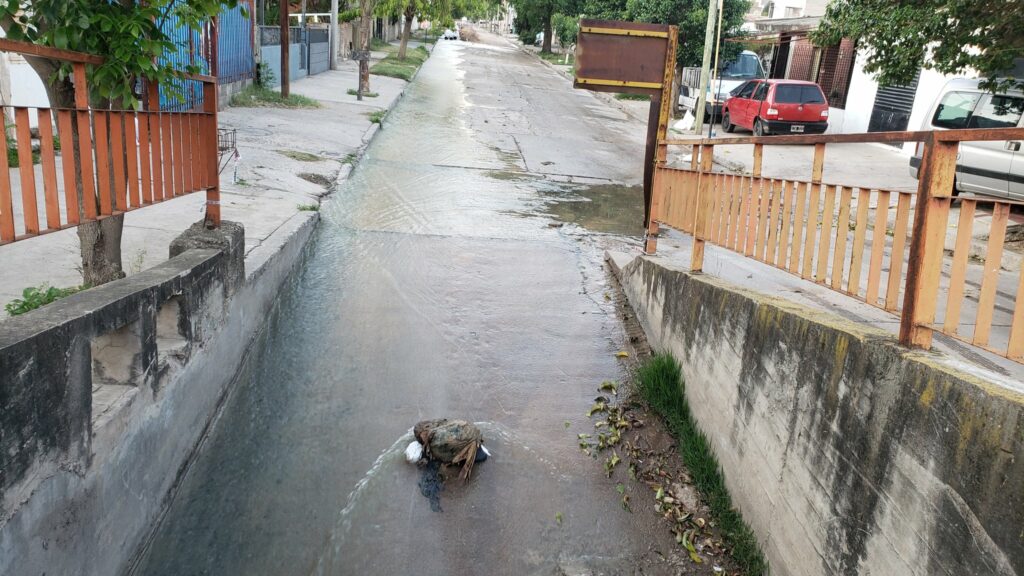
(450, 442)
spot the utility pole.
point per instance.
(716, 73)
(285, 44)
(705, 67)
(334, 34)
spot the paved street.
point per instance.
(457, 273)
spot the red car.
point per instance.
(776, 107)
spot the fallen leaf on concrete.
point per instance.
(622, 354)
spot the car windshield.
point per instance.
(744, 67)
(798, 94)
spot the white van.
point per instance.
(989, 168)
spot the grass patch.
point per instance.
(662, 385)
(557, 58)
(38, 296)
(404, 69)
(377, 116)
(354, 92)
(300, 156)
(308, 207)
(380, 45)
(637, 97)
(257, 97)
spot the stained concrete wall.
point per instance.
(86, 474)
(845, 452)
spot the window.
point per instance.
(746, 90)
(744, 66)
(997, 112)
(955, 109)
(793, 12)
(762, 89)
(798, 94)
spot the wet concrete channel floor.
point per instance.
(452, 276)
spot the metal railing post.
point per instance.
(934, 194)
(704, 191)
(209, 151)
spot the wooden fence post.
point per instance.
(934, 193)
(704, 192)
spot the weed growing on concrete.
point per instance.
(300, 156)
(354, 92)
(138, 260)
(558, 58)
(661, 383)
(637, 97)
(377, 116)
(38, 296)
(309, 207)
(257, 97)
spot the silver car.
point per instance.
(989, 168)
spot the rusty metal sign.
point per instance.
(635, 58)
(622, 56)
(361, 55)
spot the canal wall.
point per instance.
(845, 452)
(107, 394)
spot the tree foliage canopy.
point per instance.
(949, 36)
(125, 32)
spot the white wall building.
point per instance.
(860, 103)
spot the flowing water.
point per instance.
(436, 286)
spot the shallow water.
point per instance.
(426, 293)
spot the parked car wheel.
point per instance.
(759, 128)
(727, 123)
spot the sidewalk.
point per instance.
(271, 182)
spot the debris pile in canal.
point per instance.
(622, 443)
(440, 444)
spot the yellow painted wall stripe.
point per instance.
(624, 32)
(626, 83)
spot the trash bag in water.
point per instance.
(451, 442)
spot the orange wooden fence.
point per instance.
(125, 159)
(884, 247)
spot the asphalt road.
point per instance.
(458, 274)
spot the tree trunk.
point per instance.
(101, 250)
(546, 46)
(406, 31)
(99, 242)
(365, 23)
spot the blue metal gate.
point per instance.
(235, 58)
(191, 48)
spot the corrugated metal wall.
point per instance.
(235, 58)
(191, 47)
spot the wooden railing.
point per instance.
(109, 161)
(884, 247)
